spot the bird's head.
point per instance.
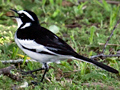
(25, 16)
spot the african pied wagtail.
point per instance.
(44, 46)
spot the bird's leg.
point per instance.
(46, 69)
(30, 72)
(36, 83)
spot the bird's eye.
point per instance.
(22, 15)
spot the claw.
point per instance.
(33, 82)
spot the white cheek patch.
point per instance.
(19, 22)
(26, 25)
(27, 14)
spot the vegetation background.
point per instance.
(84, 24)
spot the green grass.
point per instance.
(95, 23)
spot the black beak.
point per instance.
(15, 12)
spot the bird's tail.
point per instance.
(101, 65)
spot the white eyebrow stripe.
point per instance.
(26, 13)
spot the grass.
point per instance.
(83, 26)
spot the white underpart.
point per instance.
(26, 13)
(19, 22)
(26, 25)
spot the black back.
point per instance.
(45, 37)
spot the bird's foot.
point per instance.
(34, 83)
(28, 72)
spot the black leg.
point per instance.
(30, 72)
(46, 69)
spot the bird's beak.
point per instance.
(15, 12)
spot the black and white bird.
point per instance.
(44, 46)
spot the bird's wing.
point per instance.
(54, 43)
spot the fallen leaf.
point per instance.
(67, 3)
(9, 14)
(59, 74)
(54, 29)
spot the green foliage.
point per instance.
(92, 30)
(78, 10)
(15, 51)
(23, 64)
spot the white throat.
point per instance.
(19, 22)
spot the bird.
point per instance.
(44, 46)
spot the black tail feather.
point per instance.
(101, 65)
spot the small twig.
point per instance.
(110, 36)
(71, 71)
(20, 87)
(109, 44)
(105, 56)
(111, 2)
(95, 56)
(48, 79)
(6, 71)
(102, 54)
(108, 1)
(102, 85)
(115, 55)
(15, 61)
